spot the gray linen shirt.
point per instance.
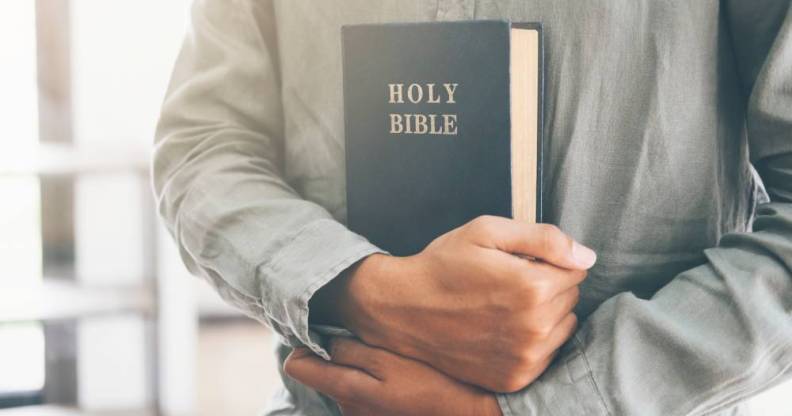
(656, 112)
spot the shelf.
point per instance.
(62, 160)
(66, 411)
(52, 301)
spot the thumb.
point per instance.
(339, 382)
(542, 241)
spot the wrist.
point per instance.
(339, 301)
(379, 303)
(372, 300)
(362, 294)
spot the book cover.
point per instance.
(432, 111)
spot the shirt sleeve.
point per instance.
(721, 332)
(218, 175)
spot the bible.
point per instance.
(443, 123)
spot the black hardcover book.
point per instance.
(443, 124)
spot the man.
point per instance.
(656, 114)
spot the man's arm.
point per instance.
(721, 332)
(218, 174)
(219, 180)
(365, 381)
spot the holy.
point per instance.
(419, 93)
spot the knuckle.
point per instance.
(533, 298)
(524, 286)
(482, 222)
(541, 329)
(537, 292)
(511, 382)
(553, 240)
(530, 359)
(522, 360)
(548, 229)
(519, 370)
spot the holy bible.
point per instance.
(443, 123)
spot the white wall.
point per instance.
(122, 56)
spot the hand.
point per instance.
(466, 305)
(371, 381)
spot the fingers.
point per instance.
(559, 335)
(538, 283)
(543, 241)
(352, 353)
(559, 280)
(336, 381)
(562, 305)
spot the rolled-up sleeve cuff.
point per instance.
(567, 388)
(316, 254)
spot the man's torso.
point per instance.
(646, 160)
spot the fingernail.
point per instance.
(584, 256)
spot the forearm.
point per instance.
(219, 180)
(717, 334)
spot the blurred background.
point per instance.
(97, 314)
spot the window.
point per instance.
(21, 345)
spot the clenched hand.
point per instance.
(471, 305)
